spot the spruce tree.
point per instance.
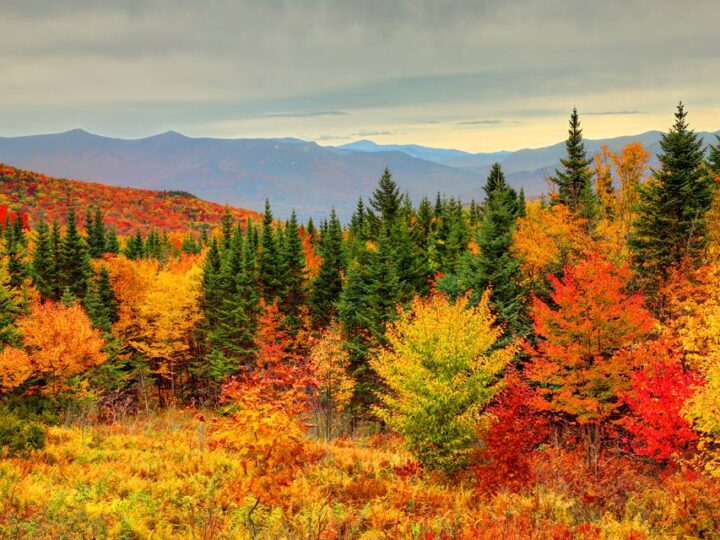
(713, 159)
(358, 220)
(386, 203)
(294, 268)
(369, 301)
(135, 246)
(494, 266)
(574, 181)
(15, 243)
(56, 281)
(9, 310)
(210, 285)
(44, 270)
(112, 245)
(74, 262)
(96, 235)
(327, 286)
(270, 271)
(671, 225)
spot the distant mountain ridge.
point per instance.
(291, 172)
(242, 172)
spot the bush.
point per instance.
(19, 437)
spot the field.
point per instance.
(156, 477)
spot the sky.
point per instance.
(476, 75)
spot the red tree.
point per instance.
(659, 387)
(578, 366)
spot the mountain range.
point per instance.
(292, 173)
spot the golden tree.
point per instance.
(441, 368)
(329, 364)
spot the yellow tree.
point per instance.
(166, 318)
(441, 368)
(693, 314)
(329, 364)
(548, 238)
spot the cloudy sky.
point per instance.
(479, 75)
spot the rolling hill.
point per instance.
(126, 209)
(241, 172)
(292, 173)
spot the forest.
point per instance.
(504, 368)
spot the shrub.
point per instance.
(19, 437)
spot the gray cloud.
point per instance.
(614, 113)
(137, 66)
(479, 122)
(311, 114)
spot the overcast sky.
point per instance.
(476, 75)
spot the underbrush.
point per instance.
(157, 477)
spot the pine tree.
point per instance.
(211, 292)
(96, 234)
(107, 295)
(15, 243)
(386, 203)
(294, 267)
(44, 270)
(367, 304)
(74, 263)
(713, 160)
(226, 228)
(671, 225)
(327, 286)
(494, 266)
(55, 273)
(9, 310)
(112, 245)
(270, 271)
(574, 182)
(94, 308)
(358, 220)
(135, 247)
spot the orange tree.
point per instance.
(59, 342)
(578, 366)
(267, 409)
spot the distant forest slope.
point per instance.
(125, 209)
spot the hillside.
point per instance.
(292, 173)
(125, 209)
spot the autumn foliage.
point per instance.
(58, 343)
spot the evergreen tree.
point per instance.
(211, 291)
(112, 245)
(94, 308)
(270, 271)
(44, 269)
(713, 160)
(15, 243)
(327, 286)
(56, 241)
(9, 310)
(294, 268)
(367, 304)
(574, 182)
(671, 224)
(96, 234)
(74, 263)
(226, 228)
(494, 266)
(107, 295)
(358, 221)
(135, 247)
(386, 203)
